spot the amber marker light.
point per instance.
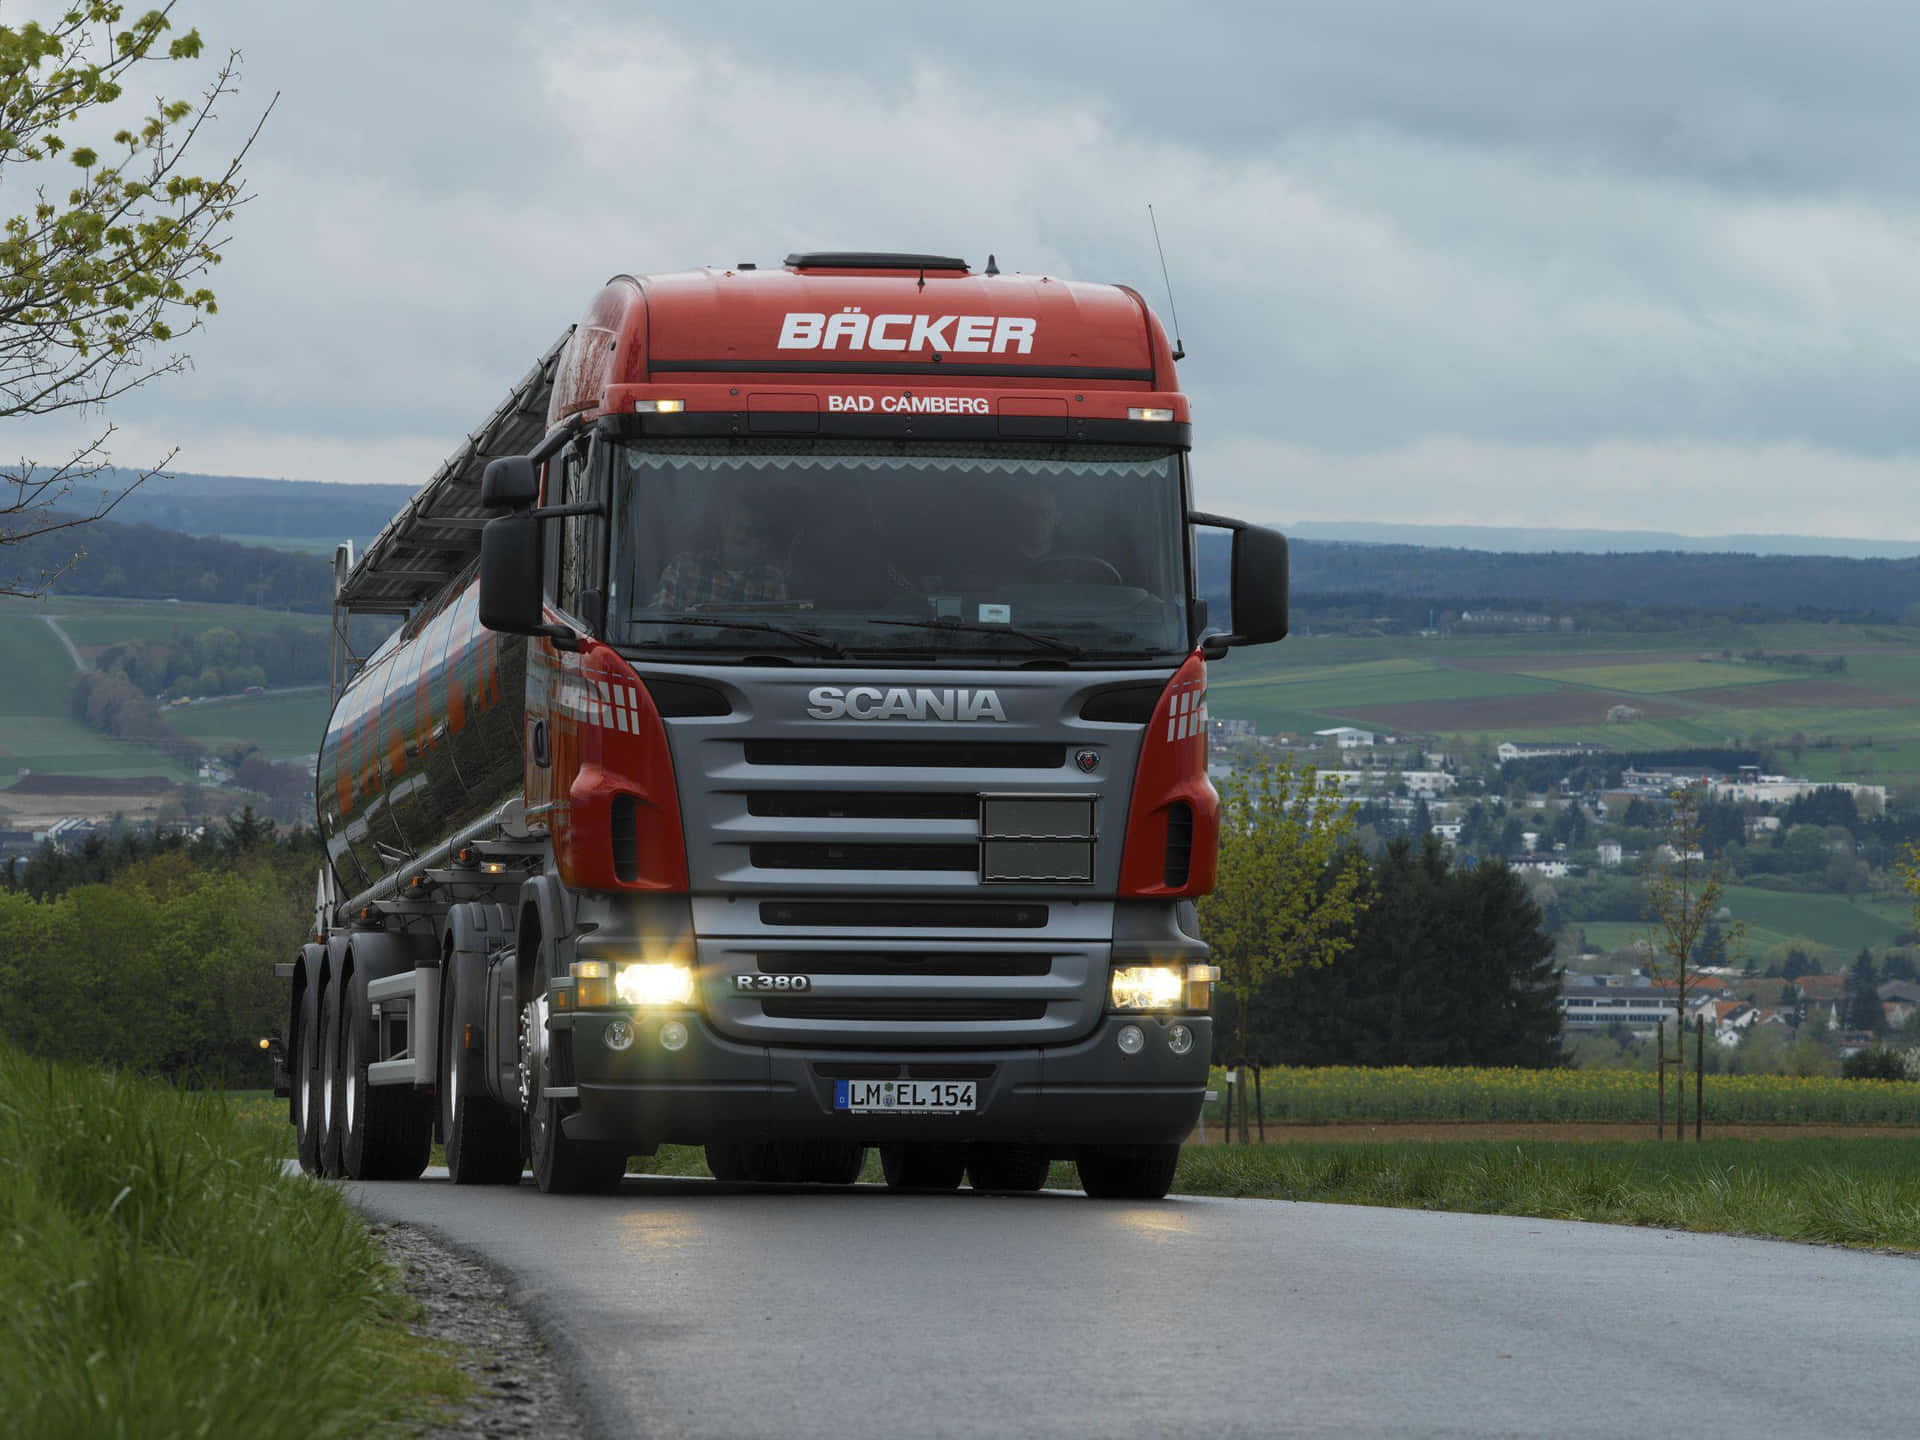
(592, 983)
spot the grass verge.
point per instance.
(1845, 1192)
(162, 1275)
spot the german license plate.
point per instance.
(904, 1097)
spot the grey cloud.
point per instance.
(1518, 230)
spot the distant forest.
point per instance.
(1415, 586)
(1332, 582)
(142, 562)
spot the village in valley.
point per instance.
(1811, 959)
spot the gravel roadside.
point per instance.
(518, 1389)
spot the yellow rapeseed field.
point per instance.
(1341, 1093)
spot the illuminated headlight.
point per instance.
(1149, 412)
(659, 407)
(1147, 987)
(654, 983)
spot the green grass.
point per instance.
(164, 1276)
(1861, 1192)
(284, 724)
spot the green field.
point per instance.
(37, 728)
(1862, 723)
(286, 724)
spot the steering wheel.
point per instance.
(1088, 567)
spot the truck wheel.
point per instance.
(308, 1124)
(560, 1166)
(729, 1162)
(1006, 1167)
(481, 1136)
(385, 1133)
(923, 1167)
(1127, 1172)
(330, 1079)
(832, 1162)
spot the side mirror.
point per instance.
(509, 483)
(510, 588)
(1259, 586)
(1256, 589)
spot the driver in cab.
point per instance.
(1032, 552)
(740, 568)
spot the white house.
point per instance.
(1610, 853)
(1348, 738)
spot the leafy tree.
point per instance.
(1683, 890)
(107, 266)
(1860, 1000)
(1450, 965)
(1876, 1062)
(1286, 891)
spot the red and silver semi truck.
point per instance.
(794, 741)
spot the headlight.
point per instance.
(663, 982)
(1147, 987)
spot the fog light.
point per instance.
(618, 1035)
(1130, 1039)
(1180, 1040)
(673, 1036)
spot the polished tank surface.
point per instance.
(424, 741)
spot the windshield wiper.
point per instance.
(950, 622)
(818, 642)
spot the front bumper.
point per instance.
(719, 1090)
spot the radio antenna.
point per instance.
(1179, 350)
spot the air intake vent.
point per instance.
(863, 805)
(903, 914)
(1122, 704)
(994, 963)
(684, 699)
(909, 754)
(852, 1007)
(1179, 844)
(812, 856)
(624, 842)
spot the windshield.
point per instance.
(985, 550)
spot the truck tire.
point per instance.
(386, 1133)
(923, 1167)
(330, 1079)
(481, 1136)
(307, 1120)
(832, 1162)
(1127, 1172)
(729, 1162)
(1021, 1168)
(560, 1166)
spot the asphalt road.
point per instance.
(687, 1308)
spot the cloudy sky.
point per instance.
(1632, 266)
